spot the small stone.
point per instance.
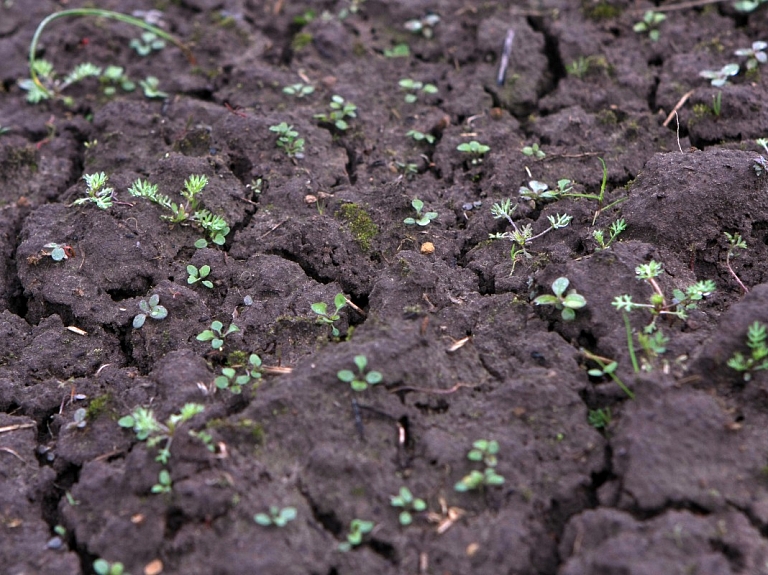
(55, 543)
(153, 567)
(309, 199)
(427, 248)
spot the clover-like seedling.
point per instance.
(484, 451)
(164, 483)
(567, 302)
(216, 334)
(151, 87)
(475, 149)
(147, 428)
(422, 218)
(533, 151)
(719, 78)
(340, 110)
(149, 308)
(115, 76)
(413, 87)
(326, 317)
(299, 90)
(599, 418)
(650, 24)
(408, 503)
(97, 191)
(420, 136)
(148, 42)
(199, 275)
(103, 567)
(358, 528)
(613, 232)
(288, 139)
(361, 380)
(276, 516)
(757, 360)
(234, 382)
(756, 54)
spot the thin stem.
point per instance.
(602, 363)
(733, 273)
(630, 344)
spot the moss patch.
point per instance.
(361, 226)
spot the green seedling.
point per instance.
(420, 136)
(358, 528)
(756, 54)
(606, 368)
(653, 345)
(599, 418)
(397, 51)
(475, 149)
(148, 42)
(151, 87)
(199, 275)
(650, 24)
(539, 191)
(422, 218)
(276, 516)
(340, 110)
(409, 505)
(4, 130)
(326, 317)
(147, 428)
(719, 78)
(682, 301)
(409, 170)
(216, 334)
(533, 151)
(114, 76)
(613, 232)
(757, 341)
(288, 139)
(361, 380)
(149, 308)
(164, 483)
(578, 67)
(735, 241)
(229, 378)
(760, 166)
(567, 302)
(103, 567)
(748, 5)
(423, 26)
(483, 451)
(717, 103)
(413, 87)
(299, 90)
(97, 191)
(79, 419)
(57, 252)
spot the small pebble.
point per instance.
(427, 248)
(55, 543)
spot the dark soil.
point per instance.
(677, 482)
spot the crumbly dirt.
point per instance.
(676, 482)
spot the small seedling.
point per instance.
(103, 567)
(650, 24)
(408, 503)
(4, 130)
(276, 516)
(599, 418)
(97, 191)
(229, 378)
(539, 191)
(151, 87)
(568, 303)
(407, 169)
(423, 26)
(199, 275)
(147, 428)
(216, 335)
(758, 355)
(115, 76)
(413, 87)
(57, 252)
(422, 218)
(579, 67)
(483, 451)
(719, 78)
(475, 149)
(164, 483)
(361, 380)
(613, 232)
(357, 529)
(653, 345)
(288, 139)
(606, 368)
(420, 136)
(340, 109)
(735, 241)
(533, 151)
(146, 43)
(324, 316)
(149, 308)
(397, 51)
(79, 419)
(299, 90)
(748, 5)
(717, 103)
(756, 54)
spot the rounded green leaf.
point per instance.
(139, 320)
(208, 284)
(419, 505)
(560, 285)
(373, 377)
(568, 314)
(158, 312)
(126, 421)
(405, 518)
(574, 301)
(263, 519)
(339, 300)
(221, 382)
(192, 271)
(346, 376)
(201, 243)
(359, 385)
(207, 335)
(546, 300)
(288, 513)
(409, 222)
(361, 361)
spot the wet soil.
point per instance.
(675, 480)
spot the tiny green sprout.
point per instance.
(79, 419)
(103, 567)
(422, 218)
(229, 378)
(756, 54)
(97, 190)
(408, 503)
(149, 41)
(299, 90)
(719, 78)
(578, 67)
(604, 370)
(199, 275)
(340, 109)
(58, 252)
(4, 130)
(735, 241)
(748, 5)
(276, 516)
(757, 341)
(475, 149)
(539, 191)
(599, 418)
(762, 142)
(115, 76)
(613, 232)
(413, 87)
(397, 51)
(326, 317)
(151, 87)
(147, 428)
(288, 139)
(533, 151)
(650, 24)
(149, 308)
(361, 380)
(423, 26)
(420, 136)
(357, 529)
(568, 303)
(164, 483)
(484, 451)
(216, 335)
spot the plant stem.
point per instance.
(630, 344)
(733, 273)
(603, 363)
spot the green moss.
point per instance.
(237, 358)
(600, 11)
(301, 40)
(361, 226)
(252, 428)
(607, 117)
(97, 406)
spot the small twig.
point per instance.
(8, 428)
(437, 391)
(506, 52)
(680, 103)
(680, 6)
(12, 452)
(558, 156)
(355, 307)
(276, 370)
(678, 133)
(272, 230)
(733, 273)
